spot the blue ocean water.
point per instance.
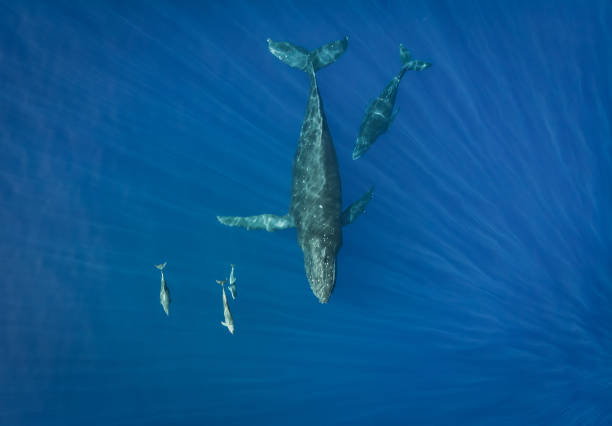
(476, 289)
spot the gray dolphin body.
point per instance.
(164, 292)
(228, 321)
(316, 194)
(379, 115)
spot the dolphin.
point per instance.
(164, 293)
(379, 115)
(316, 195)
(232, 283)
(227, 315)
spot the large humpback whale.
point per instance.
(379, 115)
(316, 194)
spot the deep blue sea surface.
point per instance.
(475, 290)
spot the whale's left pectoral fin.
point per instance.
(269, 222)
(355, 210)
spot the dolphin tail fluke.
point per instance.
(269, 222)
(355, 210)
(161, 266)
(411, 64)
(221, 282)
(300, 58)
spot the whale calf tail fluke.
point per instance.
(300, 58)
(161, 266)
(409, 64)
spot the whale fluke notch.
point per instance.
(269, 222)
(356, 209)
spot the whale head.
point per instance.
(320, 263)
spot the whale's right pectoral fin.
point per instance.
(355, 210)
(269, 222)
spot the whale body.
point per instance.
(316, 191)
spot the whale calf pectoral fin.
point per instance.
(269, 222)
(367, 110)
(392, 118)
(355, 210)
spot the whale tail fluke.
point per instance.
(300, 58)
(161, 266)
(411, 64)
(328, 53)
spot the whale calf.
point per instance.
(164, 292)
(379, 115)
(316, 195)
